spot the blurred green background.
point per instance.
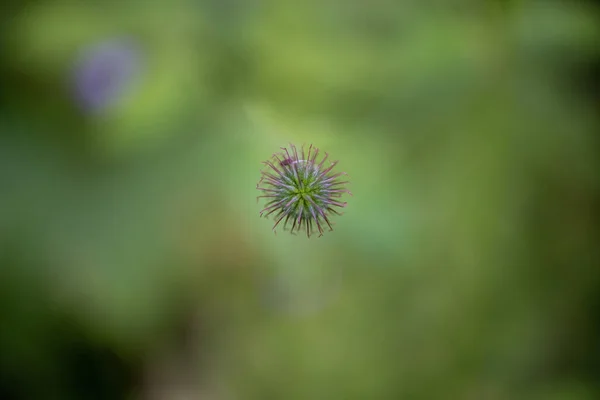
(133, 262)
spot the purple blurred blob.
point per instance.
(104, 72)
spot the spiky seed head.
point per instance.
(301, 191)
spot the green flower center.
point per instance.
(303, 177)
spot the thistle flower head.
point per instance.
(104, 72)
(301, 190)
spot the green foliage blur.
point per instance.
(133, 262)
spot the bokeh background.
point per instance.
(133, 262)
